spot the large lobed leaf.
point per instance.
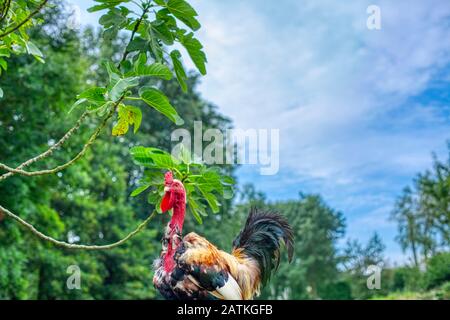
(203, 185)
(157, 100)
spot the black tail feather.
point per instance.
(261, 239)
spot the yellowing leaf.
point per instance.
(128, 115)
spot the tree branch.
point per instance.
(135, 29)
(67, 245)
(46, 153)
(5, 10)
(70, 162)
(43, 3)
(18, 170)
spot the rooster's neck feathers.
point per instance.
(179, 211)
(174, 230)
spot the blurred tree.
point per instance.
(405, 214)
(356, 260)
(89, 202)
(422, 213)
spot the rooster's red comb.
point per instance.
(168, 177)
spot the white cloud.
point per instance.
(343, 96)
(323, 78)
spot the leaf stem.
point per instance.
(133, 98)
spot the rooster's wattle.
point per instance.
(193, 268)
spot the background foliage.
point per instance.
(91, 201)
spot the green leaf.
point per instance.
(153, 177)
(160, 2)
(153, 158)
(228, 192)
(139, 190)
(175, 55)
(100, 109)
(154, 70)
(113, 17)
(157, 100)
(228, 179)
(196, 215)
(121, 86)
(184, 12)
(106, 5)
(1, 93)
(98, 7)
(196, 208)
(3, 64)
(78, 103)
(33, 50)
(185, 155)
(162, 31)
(138, 44)
(155, 46)
(113, 72)
(153, 197)
(211, 199)
(194, 49)
(169, 20)
(95, 95)
(127, 68)
(5, 52)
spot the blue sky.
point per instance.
(359, 111)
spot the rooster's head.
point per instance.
(173, 191)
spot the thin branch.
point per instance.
(67, 245)
(18, 170)
(46, 153)
(133, 33)
(5, 10)
(73, 160)
(43, 3)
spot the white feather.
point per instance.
(230, 290)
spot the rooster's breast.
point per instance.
(177, 284)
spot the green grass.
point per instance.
(440, 293)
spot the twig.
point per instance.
(43, 3)
(18, 170)
(46, 153)
(73, 160)
(67, 245)
(5, 10)
(135, 29)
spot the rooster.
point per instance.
(190, 267)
